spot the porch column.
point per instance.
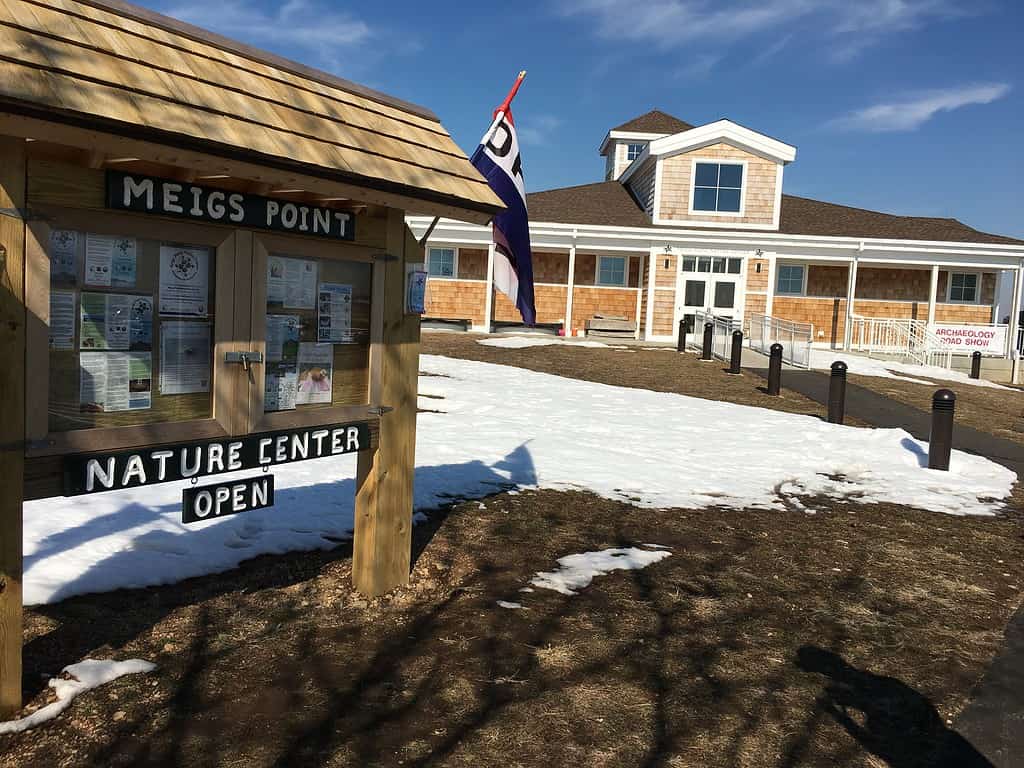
(639, 296)
(851, 293)
(489, 298)
(570, 286)
(1018, 285)
(931, 296)
(649, 322)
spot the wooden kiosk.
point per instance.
(204, 268)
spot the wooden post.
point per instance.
(382, 549)
(12, 425)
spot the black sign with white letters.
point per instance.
(129, 469)
(165, 197)
(208, 502)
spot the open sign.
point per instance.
(208, 502)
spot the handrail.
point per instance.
(913, 340)
(795, 338)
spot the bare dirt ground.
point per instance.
(849, 636)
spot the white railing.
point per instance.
(721, 337)
(912, 340)
(795, 338)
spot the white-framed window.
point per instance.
(441, 262)
(790, 280)
(633, 151)
(611, 270)
(717, 187)
(718, 264)
(964, 288)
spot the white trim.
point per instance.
(769, 303)
(457, 279)
(612, 288)
(625, 271)
(933, 290)
(712, 133)
(851, 299)
(803, 282)
(777, 215)
(455, 261)
(656, 208)
(977, 287)
(649, 321)
(489, 295)
(570, 287)
(615, 135)
(733, 225)
(743, 186)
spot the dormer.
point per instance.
(622, 145)
(716, 175)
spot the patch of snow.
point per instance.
(521, 342)
(577, 571)
(507, 604)
(82, 677)
(822, 359)
(508, 428)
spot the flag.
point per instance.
(498, 160)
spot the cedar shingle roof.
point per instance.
(655, 121)
(120, 69)
(608, 203)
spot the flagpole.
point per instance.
(499, 113)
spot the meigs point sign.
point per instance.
(129, 469)
(164, 197)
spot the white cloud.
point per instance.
(536, 130)
(849, 25)
(294, 27)
(914, 110)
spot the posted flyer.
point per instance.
(184, 357)
(291, 283)
(115, 381)
(315, 367)
(184, 280)
(116, 321)
(334, 313)
(110, 261)
(62, 320)
(282, 371)
(64, 257)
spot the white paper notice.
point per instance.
(115, 381)
(184, 357)
(110, 261)
(291, 283)
(62, 320)
(334, 313)
(184, 280)
(64, 256)
(315, 364)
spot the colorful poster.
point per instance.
(184, 280)
(184, 357)
(334, 313)
(115, 381)
(110, 261)
(315, 366)
(416, 290)
(282, 337)
(282, 372)
(291, 283)
(64, 257)
(106, 321)
(62, 320)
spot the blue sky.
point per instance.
(906, 106)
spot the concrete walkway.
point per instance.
(993, 721)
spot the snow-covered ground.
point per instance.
(502, 427)
(575, 572)
(822, 359)
(521, 342)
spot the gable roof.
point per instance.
(655, 121)
(608, 203)
(109, 66)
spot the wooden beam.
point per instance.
(12, 426)
(382, 549)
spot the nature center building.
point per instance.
(694, 218)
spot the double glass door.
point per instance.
(708, 284)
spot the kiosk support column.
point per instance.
(382, 550)
(12, 426)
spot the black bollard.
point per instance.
(681, 343)
(837, 393)
(775, 369)
(976, 365)
(709, 335)
(940, 442)
(737, 352)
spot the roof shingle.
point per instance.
(655, 121)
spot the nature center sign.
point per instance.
(165, 197)
(129, 469)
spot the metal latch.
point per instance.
(245, 358)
